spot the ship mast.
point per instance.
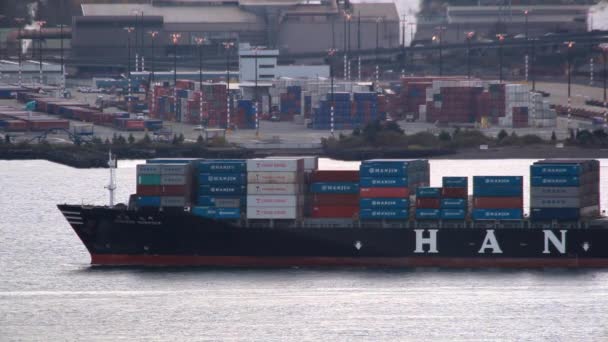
(112, 185)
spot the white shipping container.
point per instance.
(172, 180)
(148, 169)
(274, 177)
(310, 162)
(175, 169)
(274, 165)
(172, 201)
(273, 189)
(272, 200)
(285, 213)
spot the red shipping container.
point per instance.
(335, 211)
(428, 203)
(384, 192)
(175, 190)
(498, 202)
(454, 192)
(335, 199)
(149, 190)
(334, 176)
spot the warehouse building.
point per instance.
(291, 26)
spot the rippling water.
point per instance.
(48, 292)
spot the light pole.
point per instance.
(359, 46)
(604, 48)
(470, 36)
(129, 29)
(501, 38)
(412, 25)
(40, 24)
(526, 59)
(404, 23)
(19, 22)
(533, 65)
(152, 34)
(378, 20)
(348, 17)
(175, 39)
(255, 93)
(61, 59)
(228, 45)
(330, 55)
(439, 38)
(200, 41)
(570, 45)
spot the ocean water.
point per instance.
(49, 293)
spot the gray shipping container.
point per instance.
(173, 179)
(227, 202)
(175, 169)
(554, 191)
(555, 202)
(148, 169)
(172, 201)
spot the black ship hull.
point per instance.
(120, 237)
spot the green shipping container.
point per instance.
(148, 180)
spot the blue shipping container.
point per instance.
(148, 201)
(377, 170)
(453, 214)
(455, 182)
(209, 201)
(555, 170)
(204, 211)
(388, 203)
(428, 192)
(549, 214)
(479, 181)
(222, 166)
(428, 214)
(222, 190)
(334, 188)
(222, 178)
(384, 214)
(383, 182)
(555, 181)
(453, 203)
(497, 214)
(227, 213)
(498, 191)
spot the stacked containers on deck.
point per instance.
(274, 189)
(334, 194)
(428, 203)
(222, 184)
(498, 198)
(454, 198)
(385, 187)
(164, 185)
(564, 189)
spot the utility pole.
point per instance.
(255, 93)
(526, 60)
(200, 41)
(152, 34)
(604, 48)
(501, 38)
(439, 39)
(570, 45)
(378, 20)
(359, 46)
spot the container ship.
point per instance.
(285, 212)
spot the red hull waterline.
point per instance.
(245, 261)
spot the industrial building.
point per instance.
(487, 21)
(294, 27)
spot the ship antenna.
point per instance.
(112, 185)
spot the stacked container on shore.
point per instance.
(497, 198)
(386, 184)
(274, 188)
(334, 194)
(291, 103)
(564, 189)
(165, 185)
(454, 198)
(222, 186)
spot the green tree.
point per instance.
(445, 136)
(107, 142)
(146, 139)
(114, 138)
(175, 140)
(502, 134)
(553, 136)
(200, 140)
(181, 138)
(121, 140)
(131, 139)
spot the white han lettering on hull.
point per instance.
(490, 242)
(431, 241)
(559, 244)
